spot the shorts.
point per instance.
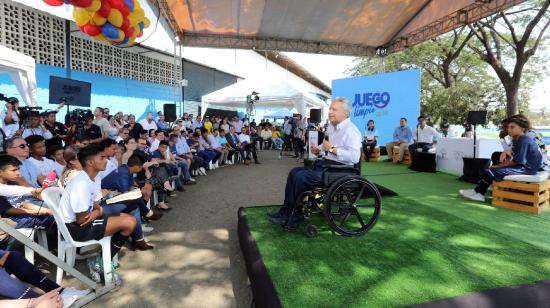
(93, 231)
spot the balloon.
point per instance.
(146, 22)
(117, 4)
(91, 30)
(98, 20)
(125, 24)
(125, 11)
(94, 7)
(140, 34)
(80, 3)
(81, 16)
(54, 2)
(115, 17)
(110, 31)
(129, 32)
(130, 4)
(134, 19)
(105, 9)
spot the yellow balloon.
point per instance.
(146, 22)
(81, 16)
(94, 7)
(121, 37)
(134, 19)
(101, 37)
(98, 20)
(115, 17)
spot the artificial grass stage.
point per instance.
(428, 244)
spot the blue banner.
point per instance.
(383, 98)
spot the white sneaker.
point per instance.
(472, 195)
(202, 171)
(191, 180)
(70, 295)
(147, 229)
(490, 188)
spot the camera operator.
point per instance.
(92, 131)
(10, 118)
(35, 128)
(58, 130)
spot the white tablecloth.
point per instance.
(451, 150)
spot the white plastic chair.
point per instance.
(66, 246)
(32, 233)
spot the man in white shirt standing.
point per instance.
(148, 123)
(238, 124)
(343, 147)
(80, 205)
(102, 122)
(424, 137)
(10, 120)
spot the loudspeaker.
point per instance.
(315, 115)
(477, 117)
(473, 169)
(423, 162)
(170, 113)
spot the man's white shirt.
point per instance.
(9, 129)
(45, 165)
(346, 138)
(244, 138)
(37, 131)
(148, 126)
(425, 135)
(112, 165)
(79, 196)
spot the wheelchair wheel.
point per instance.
(311, 231)
(352, 205)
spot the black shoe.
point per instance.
(257, 162)
(281, 220)
(275, 215)
(293, 223)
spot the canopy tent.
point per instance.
(22, 71)
(345, 27)
(272, 94)
(279, 114)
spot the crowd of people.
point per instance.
(143, 163)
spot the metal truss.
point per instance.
(257, 43)
(469, 14)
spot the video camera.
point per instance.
(79, 116)
(9, 100)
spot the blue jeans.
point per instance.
(498, 174)
(300, 179)
(184, 170)
(122, 208)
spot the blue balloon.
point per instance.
(141, 26)
(124, 41)
(130, 4)
(110, 31)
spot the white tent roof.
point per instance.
(22, 70)
(271, 93)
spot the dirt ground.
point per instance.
(197, 260)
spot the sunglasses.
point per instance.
(21, 146)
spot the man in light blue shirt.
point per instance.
(402, 136)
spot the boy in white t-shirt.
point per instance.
(80, 204)
(37, 147)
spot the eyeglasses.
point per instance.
(21, 146)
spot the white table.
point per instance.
(450, 151)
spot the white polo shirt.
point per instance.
(425, 135)
(79, 196)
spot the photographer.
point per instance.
(93, 131)
(10, 118)
(35, 128)
(58, 130)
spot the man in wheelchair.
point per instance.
(341, 148)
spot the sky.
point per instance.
(334, 67)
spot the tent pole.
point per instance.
(68, 49)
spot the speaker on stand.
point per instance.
(170, 113)
(473, 167)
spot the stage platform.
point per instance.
(428, 245)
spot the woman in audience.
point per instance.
(113, 127)
(526, 158)
(14, 263)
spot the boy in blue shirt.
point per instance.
(526, 159)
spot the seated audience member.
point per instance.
(197, 123)
(184, 151)
(55, 152)
(81, 211)
(161, 123)
(37, 146)
(265, 135)
(207, 124)
(182, 163)
(113, 129)
(158, 136)
(210, 146)
(25, 214)
(83, 140)
(402, 136)
(424, 136)
(123, 133)
(249, 147)
(36, 129)
(276, 138)
(14, 263)
(92, 131)
(167, 161)
(222, 140)
(194, 144)
(135, 128)
(369, 141)
(148, 123)
(109, 147)
(30, 174)
(526, 159)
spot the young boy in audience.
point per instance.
(526, 159)
(56, 154)
(109, 149)
(25, 214)
(80, 206)
(37, 146)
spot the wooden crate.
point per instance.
(407, 160)
(521, 196)
(374, 156)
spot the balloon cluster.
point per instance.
(118, 22)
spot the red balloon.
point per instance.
(91, 30)
(81, 3)
(125, 10)
(129, 32)
(125, 24)
(117, 4)
(140, 34)
(105, 9)
(54, 2)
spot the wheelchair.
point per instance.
(350, 203)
